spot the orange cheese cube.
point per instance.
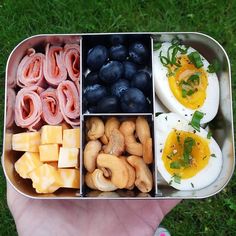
(27, 142)
(46, 179)
(70, 178)
(51, 134)
(27, 163)
(71, 138)
(49, 152)
(68, 157)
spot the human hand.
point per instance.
(86, 217)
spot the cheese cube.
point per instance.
(27, 163)
(71, 138)
(70, 178)
(68, 157)
(27, 142)
(51, 134)
(46, 179)
(49, 152)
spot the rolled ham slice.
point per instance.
(28, 108)
(30, 70)
(72, 60)
(68, 97)
(11, 97)
(51, 110)
(54, 68)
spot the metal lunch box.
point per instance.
(222, 123)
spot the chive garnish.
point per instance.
(184, 93)
(195, 58)
(175, 165)
(209, 135)
(190, 92)
(194, 79)
(177, 178)
(188, 146)
(157, 46)
(178, 138)
(195, 122)
(204, 157)
(213, 155)
(192, 185)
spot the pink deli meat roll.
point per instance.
(72, 60)
(51, 110)
(11, 96)
(30, 70)
(68, 97)
(54, 68)
(28, 108)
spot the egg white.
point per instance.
(167, 122)
(163, 91)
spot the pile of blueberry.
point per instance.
(118, 79)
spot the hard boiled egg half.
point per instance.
(186, 159)
(183, 83)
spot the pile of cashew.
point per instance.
(117, 154)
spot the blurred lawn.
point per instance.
(20, 19)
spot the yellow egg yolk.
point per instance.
(184, 158)
(190, 94)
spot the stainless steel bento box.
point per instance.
(222, 131)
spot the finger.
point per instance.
(168, 205)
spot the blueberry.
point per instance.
(111, 71)
(133, 101)
(117, 39)
(94, 93)
(96, 57)
(138, 53)
(108, 104)
(142, 81)
(92, 78)
(119, 87)
(129, 69)
(118, 52)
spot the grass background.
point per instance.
(20, 19)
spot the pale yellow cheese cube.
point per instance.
(51, 134)
(68, 157)
(46, 179)
(71, 138)
(70, 178)
(27, 142)
(27, 163)
(49, 152)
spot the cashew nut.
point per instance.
(119, 172)
(104, 139)
(147, 151)
(131, 171)
(111, 124)
(142, 129)
(106, 172)
(91, 151)
(95, 128)
(143, 180)
(89, 181)
(127, 128)
(116, 145)
(101, 182)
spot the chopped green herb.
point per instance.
(175, 41)
(175, 165)
(192, 185)
(184, 93)
(194, 79)
(157, 46)
(195, 122)
(213, 155)
(204, 157)
(188, 146)
(190, 92)
(195, 58)
(209, 135)
(170, 182)
(169, 157)
(178, 138)
(165, 117)
(214, 67)
(177, 178)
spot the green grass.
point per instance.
(20, 19)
